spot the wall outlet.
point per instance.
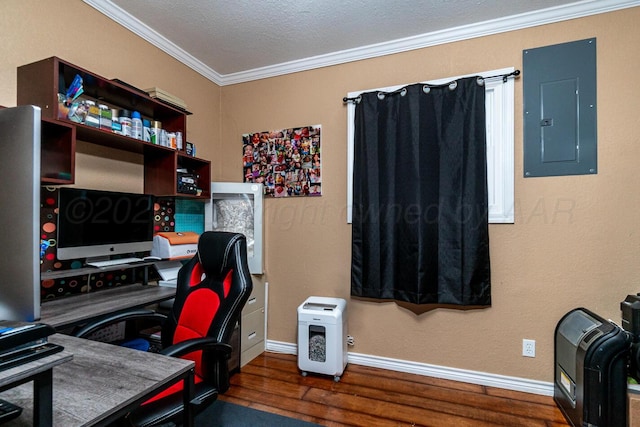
(529, 348)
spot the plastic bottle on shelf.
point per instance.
(171, 140)
(179, 140)
(105, 117)
(93, 114)
(156, 127)
(136, 125)
(125, 122)
(163, 138)
(116, 127)
(146, 130)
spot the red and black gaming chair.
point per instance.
(212, 288)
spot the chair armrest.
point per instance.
(209, 344)
(110, 319)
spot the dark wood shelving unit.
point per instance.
(39, 84)
(200, 168)
(57, 148)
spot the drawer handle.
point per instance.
(251, 336)
(252, 300)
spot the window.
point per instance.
(500, 117)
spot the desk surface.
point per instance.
(100, 380)
(19, 373)
(74, 310)
(40, 373)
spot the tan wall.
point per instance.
(31, 30)
(575, 242)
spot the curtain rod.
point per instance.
(481, 80)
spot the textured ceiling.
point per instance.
(236, 36)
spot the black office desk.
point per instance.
(103, 382)
(40, 372)
(78, 309)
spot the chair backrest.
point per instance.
(212, 288)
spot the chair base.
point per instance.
(169, 409)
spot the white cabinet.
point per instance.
(237, 207)
(252, 341)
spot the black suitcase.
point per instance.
(590, 370)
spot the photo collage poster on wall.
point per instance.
(286, 161)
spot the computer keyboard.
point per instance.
(112, 262)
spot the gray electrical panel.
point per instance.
(560, 114)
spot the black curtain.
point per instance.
(420, 212)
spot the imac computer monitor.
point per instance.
(96, 224)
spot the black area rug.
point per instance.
(225, 414)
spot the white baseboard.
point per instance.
(463, 375)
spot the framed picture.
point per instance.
(287, 162)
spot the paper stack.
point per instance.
(162, 95)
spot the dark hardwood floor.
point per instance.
(376, 397)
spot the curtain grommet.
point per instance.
(453, 85)
(380, 96)
(426, 89)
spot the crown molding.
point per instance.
(481, 29)
(133, 24)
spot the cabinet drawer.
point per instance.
(255, 301)
(250, 354)
(252, 329)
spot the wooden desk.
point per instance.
(102, 383)
(78, 309)
(40, 372)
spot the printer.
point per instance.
(168, 271)
(175, 245)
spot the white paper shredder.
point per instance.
(322, 336)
